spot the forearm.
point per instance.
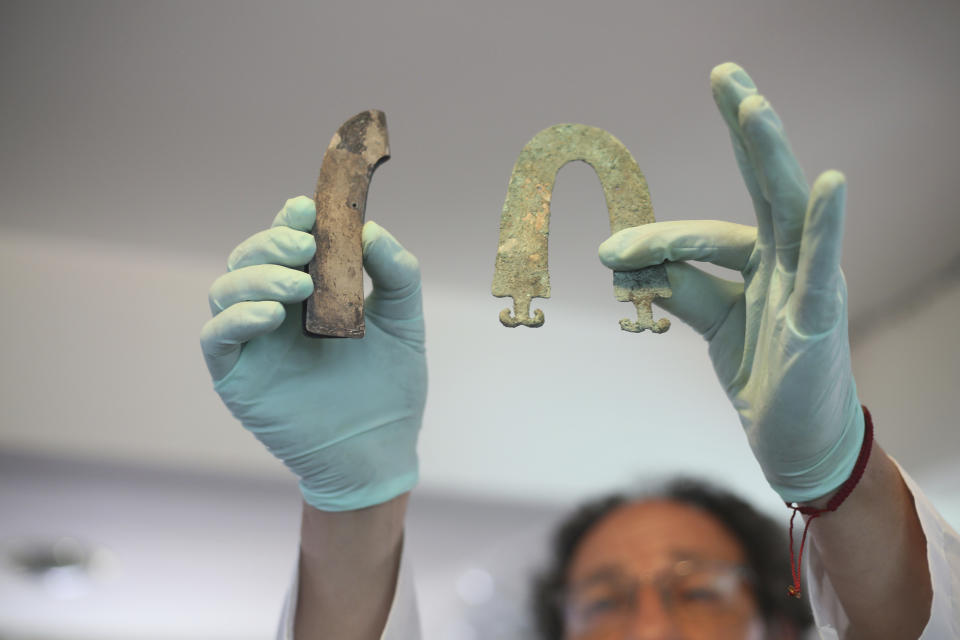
(348, 571)
(874, 552)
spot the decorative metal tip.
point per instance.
(521, 316)
(659, 326)
(644, 306)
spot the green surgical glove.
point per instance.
(342, 414)
(778, 340)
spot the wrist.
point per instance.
(377, 530)
(349, 562)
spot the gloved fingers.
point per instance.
(395, 273)
(223, 335)
(817, 302)
(276, 245)
(298, 213)
(730, 85)
(700, 299)
(259, 282)
(779, 174)
(722, 243)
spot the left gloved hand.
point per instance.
(778, 340)
(342, 414)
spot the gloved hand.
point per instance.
(342, 414)
(778, 340)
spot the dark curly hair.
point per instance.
(763, 540)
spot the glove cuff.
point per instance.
(364, 470)
(361, 498)
(833, 469)
(796, 566)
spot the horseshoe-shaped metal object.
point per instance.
(521, 267)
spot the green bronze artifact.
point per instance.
(360, 145)
(521, 268)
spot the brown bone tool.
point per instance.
(360, 145)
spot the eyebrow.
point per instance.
(611, 572)
(604, 573)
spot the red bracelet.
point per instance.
(832, 505)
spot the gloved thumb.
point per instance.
(395, 273)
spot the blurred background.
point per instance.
(140, 142)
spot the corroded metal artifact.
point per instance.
(521, 269)
(358, 147)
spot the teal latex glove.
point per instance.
(778, 340)
(342, 414)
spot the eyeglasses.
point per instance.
(695, 594)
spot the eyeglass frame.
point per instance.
(743, 574)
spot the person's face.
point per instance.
(659, 570)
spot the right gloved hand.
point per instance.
(342, 414)
(778, 340)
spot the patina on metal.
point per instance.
(360, 145)
(521, 268)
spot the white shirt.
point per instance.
(943, 558)
(943, 555)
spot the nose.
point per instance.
(651, 619)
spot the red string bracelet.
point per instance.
(832, 505)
